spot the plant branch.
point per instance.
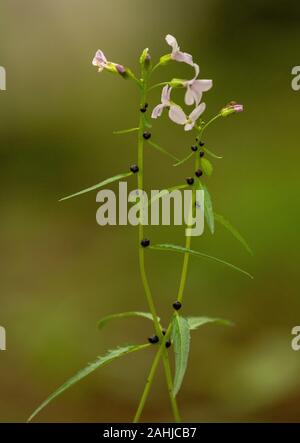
(162, 351)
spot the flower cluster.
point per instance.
(194, 90)
(194, 87)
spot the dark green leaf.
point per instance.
(196, 322)
(208, 207)
(162, 150)
(181, 249)
(206, 166)
(219, 218)
(108, 318)
(99, 185)
(180, 335)
(101, 361)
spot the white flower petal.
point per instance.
(157, 111)
(197, 70)
(183, 57)
(189, 98)
(202, 85)
(165, 95)
(197, 112)
(172, 42)
(197, 95)
(99, 59)
(177, 115)
(189, 126)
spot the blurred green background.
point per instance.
(61, 272)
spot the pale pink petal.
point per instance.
(189, 98)
(197, 96)
(197, 70)
(189, 126)
(172, 42)
(177, 115)
(165, 95)
(202, 85)
(157, 111)
(197, 112)
(99, 59)
(183, 57)
(238, 108)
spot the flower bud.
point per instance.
(120, 69)
(231, 108)
(145, 58)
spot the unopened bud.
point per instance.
(145, 58)
(231, 109)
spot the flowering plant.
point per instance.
(177, 334)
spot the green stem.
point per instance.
(169, 380)
(158, 85)
(147, 386)
(188, 239)
(210, 122)
(167, 368)
(162, 351)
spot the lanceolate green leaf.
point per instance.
(185, 159)
(125, 131)
(181, 344)
(98, 185)
(219, 218)
(162, 150)
(108, 318)
(196, 322)
(100, 361)
(206, 166)
(181, 249)
(212, 154)
(208, 207)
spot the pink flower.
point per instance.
(175, 111)
(195, 88)
(178, 116)
(176, 53)
(100, 60)
(102, 63)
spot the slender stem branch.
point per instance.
(188, 239)
(158, 85)
(162, 350)
(169, 380)
(210, 122)
(147, 386)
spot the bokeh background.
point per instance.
(60, 272)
